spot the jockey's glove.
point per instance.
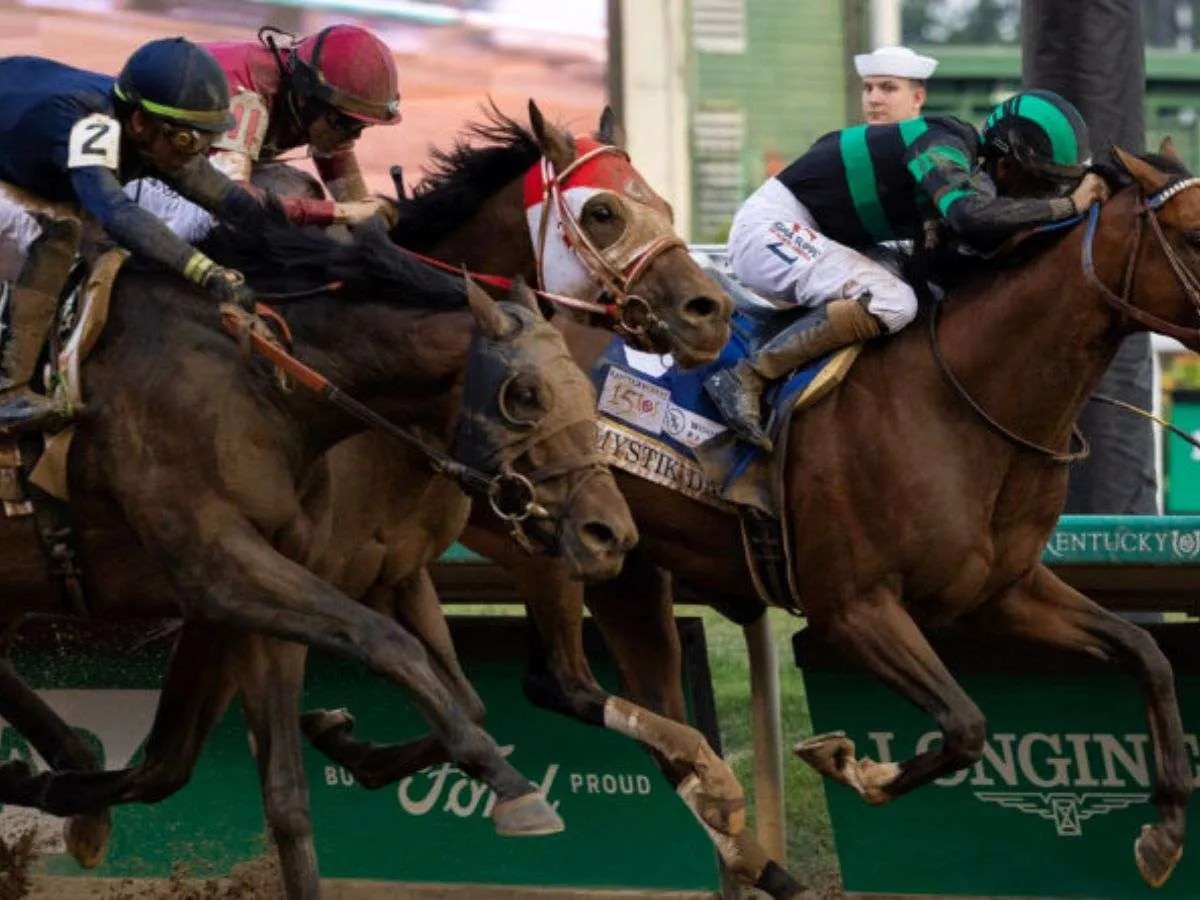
(229, 286)
(358, 212)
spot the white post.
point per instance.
(885, 23)
(655, 99)
(767, 729)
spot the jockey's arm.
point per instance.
(342, 175)
(974, 212)
(137, 230)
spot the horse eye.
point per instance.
(1192, 237)
(602, 212)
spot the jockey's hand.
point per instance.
(229, 286)
(1093, 189)
(357, 212)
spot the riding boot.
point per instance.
(738, 391)
(34, 303)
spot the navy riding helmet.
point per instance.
(177, 81)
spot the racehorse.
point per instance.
(908, 508)
(473, 209)
(197, 476)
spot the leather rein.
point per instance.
(511, 495)
(1189, 337)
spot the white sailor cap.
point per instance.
(898, 61)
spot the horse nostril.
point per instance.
(598, 535)
(701, 309)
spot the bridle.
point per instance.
(614, 273)
(1189, 337)
(512, 496)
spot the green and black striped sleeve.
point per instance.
(942, 165)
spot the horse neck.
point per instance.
(495, 240)
(406, 364)
(1030, 344)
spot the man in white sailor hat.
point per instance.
(893, 83)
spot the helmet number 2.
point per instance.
(95, 141)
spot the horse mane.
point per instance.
(279, 258)
(489, 155)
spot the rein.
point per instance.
(1059, 457)
(511, 495)
(1189, 337)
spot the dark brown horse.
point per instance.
(197, 477)
(942, 519)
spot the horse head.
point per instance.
(599, 230)
(1158, 282)
(527, 419)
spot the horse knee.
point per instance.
(287, 812)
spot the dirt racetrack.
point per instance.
(445, 72)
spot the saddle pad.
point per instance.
(654, 416)
(92, 299)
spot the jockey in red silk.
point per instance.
(320, 92)
(69, 140)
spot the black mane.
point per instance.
(462, 178)
(282, 259)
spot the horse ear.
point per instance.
(610, 131)
(494, 323)
(1150, 179)
(1167, 149)
(554, 144)
(520, 292)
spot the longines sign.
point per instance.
(1052, 808)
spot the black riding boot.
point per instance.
(738, 391)
(34, 302)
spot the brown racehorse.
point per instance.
(204, 481)
(386, 529)
(906, 509)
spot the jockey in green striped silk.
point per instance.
(796, 240)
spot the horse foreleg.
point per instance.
(634, 613)
(372, 764)
(232, 575)
(87, 834)
(1042, 608)
(195, 692)
(879, 631)
(271, 680)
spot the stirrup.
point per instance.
(27, 412)
(725, 389)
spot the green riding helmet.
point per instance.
(177, 82)
(1042, 131)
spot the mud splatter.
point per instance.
(16, 858)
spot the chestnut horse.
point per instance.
(906, 508)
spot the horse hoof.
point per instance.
(86, 836)
(827, 753)
(529, 815)
(324, 723)
(1157, 855)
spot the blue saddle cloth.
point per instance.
(672, 406)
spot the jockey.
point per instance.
(69, 139)
(796, 239)
(320, 92)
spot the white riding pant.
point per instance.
(190, 222)
(776, 250)
(18, 229)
